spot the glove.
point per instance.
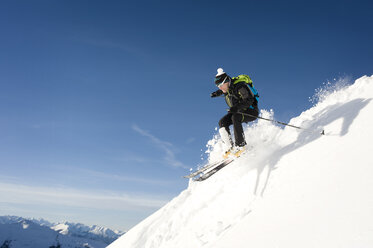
(216, 93)
(233, 110)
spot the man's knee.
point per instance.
(237, 118)
(222, 123)
(225, 122)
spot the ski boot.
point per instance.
(235, 151)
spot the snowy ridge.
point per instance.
(294, 188)
(41, 233)
(90, 232)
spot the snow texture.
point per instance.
(20, 232)
(293, 188)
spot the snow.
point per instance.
(21, 232)
(293, 188)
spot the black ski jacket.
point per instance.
(239, 95)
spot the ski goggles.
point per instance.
(219, 81)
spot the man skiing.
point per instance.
(241, 98)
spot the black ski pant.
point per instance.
(237, 119)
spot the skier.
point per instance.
(240, 99)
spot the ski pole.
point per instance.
(279, 122)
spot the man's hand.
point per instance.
(216, 93)
(233, 110)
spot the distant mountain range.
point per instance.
(18, 232)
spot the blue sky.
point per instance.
(105, 104)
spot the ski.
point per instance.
(214, 170)
(210, 169)
(205, 168)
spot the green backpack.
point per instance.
(249, 82)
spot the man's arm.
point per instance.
(247, 99)
(216, 93)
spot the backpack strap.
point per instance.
(254, 92)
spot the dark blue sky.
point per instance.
(114, 95)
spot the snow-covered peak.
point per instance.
(40, 231)
(292, 188)
(41, 222)
(61, 228)
(92, 232)
(10, 219)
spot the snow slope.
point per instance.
(293, 188)
(21, 232)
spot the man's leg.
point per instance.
(253, 113)
(239, 135)
(237, 120)
(224, 131)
